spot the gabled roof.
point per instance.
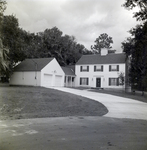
(115, 58)
(71, 67)
(35, 64)
(68, 71)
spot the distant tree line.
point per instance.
(17, 44)
(50, 43)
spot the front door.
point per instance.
(98, 82)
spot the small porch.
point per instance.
(69, 81)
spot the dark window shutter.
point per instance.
(117, 67)
(94, 68)
(109, 67)
(101, 68)
(109, 81)
(117, 81)
(80, 81)
(87, 81)
(87, 68)
(81, 68)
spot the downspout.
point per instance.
(36, 67)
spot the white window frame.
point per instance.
(113, 81)
(98, 68)
(84, 81)
(113, 67)
(84, 68)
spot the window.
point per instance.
(84, 68)
(83, 81)
(98, 68)
(73, 79)
(113, 81)
(113, 67)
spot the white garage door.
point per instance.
(47, 80)
(58, 80)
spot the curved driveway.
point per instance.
(118, 107)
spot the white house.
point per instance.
(100, 70)
(44, 72)
(97, 71)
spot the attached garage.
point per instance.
(44, 72)
(47, 80)
(58, 80)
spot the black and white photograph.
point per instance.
(73, 75)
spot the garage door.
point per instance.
(58, 80)
(47, 80)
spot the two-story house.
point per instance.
(100, 70)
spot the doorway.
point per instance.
(98, 82)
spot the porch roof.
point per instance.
(68, 71)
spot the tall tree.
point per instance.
(136, 46)
(12, 36)
(52, 45)
(4, 62)
(63, 47)
(103, 41)
(30, 44)
(2, 9)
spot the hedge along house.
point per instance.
(44, 72)
(70, 76)
(101, 70)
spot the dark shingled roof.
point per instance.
(35, 64)
(68, 71)
(116, 58)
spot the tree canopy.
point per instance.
(103, 41)
(4, 62)
(2, 6)
(136, 46)
(141, 5)
(50, 43)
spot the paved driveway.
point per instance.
(118, 107)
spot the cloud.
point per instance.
(84, 19)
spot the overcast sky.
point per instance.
(84, 19)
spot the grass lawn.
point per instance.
(39, 102)
(118, 92)
(135, 96)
